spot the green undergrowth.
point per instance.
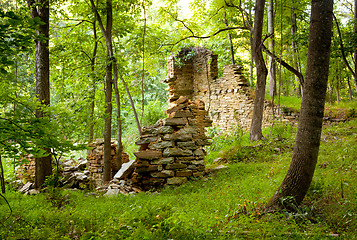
(293, 103)
(225, 204)
(345, 110)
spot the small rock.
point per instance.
(176, 180)
(26, 187)
(112, 192)
(33, 192)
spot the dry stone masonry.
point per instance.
(172, 150)
(229, 100)
(96, 161)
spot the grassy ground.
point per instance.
(226, 204)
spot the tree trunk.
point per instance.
(132, 103)
(41, 9)
(256, 127)
(107, 33)
(229, 39)
(355, 53)
(143, 68)
(251, 52)
(337, 88)
(272, 66)
(108, 116)
(299, 176)
(92, 104)
(295, 50)
(349, 87)
(2, 179)
(117, 97)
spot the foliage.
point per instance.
(16, 35)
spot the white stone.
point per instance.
(112, 192)
(124, 170)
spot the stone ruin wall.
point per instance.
(172, 150)
(229, 100)
(96, 162)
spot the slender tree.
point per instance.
(92, 67)
(295, 49)
(262, 72)
(41, 9)
(299, 176)
(107, 33)
(272, 67)
(355, 52)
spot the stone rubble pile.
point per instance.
(75, 174)
(172, 150)
(72, 174)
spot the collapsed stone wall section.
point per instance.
(172, 150)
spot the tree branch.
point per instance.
(285, 64)
(99, 19)
(209, 36)
(342, 47)
(247, 19)
(32, 8)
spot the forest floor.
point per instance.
(225, 204)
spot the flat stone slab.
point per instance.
(176, 180)
(148, 154)
(125, 170)
(172, 152)
(174, 121)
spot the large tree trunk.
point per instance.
(256, 127)
(299, 176)
(272, 66)
(40, 8)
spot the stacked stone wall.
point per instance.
(172, 150)
(229, 100)
(96, 161)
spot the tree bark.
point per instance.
(41, 9)
(131, 102)
(229, 39)
(2, 179)
(355, 53)
(143, 68)
(349, 87)
(92, 64)
(295, 47)
(117, 97)
(107, 33)
(262, 72)
(299, 176)
(272, 66)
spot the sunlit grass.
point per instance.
(226, 204)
